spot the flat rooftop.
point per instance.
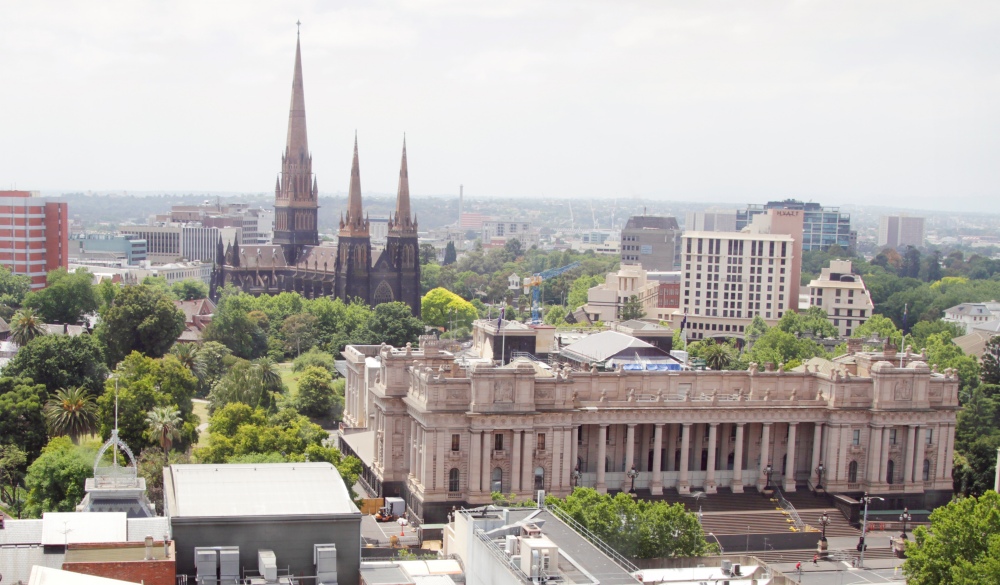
(261, 489)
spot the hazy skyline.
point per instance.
(891, 103)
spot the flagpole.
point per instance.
(503, 335)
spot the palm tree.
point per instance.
(187, 355)
(72, 412)
(25, 326)
(717, 356)
(164, 425)
(266, 372)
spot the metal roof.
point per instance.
(48, 576)
(601, 346)
(59, 528)
(261, 489)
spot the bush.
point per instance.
(315, 358)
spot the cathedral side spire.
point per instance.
(355, 223)
(403, 221)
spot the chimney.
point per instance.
(149, 548)
(853, 345)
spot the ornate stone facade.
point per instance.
(446, 436)
(296, 261)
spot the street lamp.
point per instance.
(904, 518)
(823, 546)
(819, 476)
(576, 476)
(767, 473)
(631, 473)
(864, 528)
(823, 521)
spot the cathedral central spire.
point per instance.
(297, 145)
(295, 195)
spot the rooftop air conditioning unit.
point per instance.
(727, 567)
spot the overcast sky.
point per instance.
(838, 102)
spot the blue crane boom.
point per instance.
(534, 283)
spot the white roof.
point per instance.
(59, 528)
(601, 346)
(693, 575)
(258, 489)
(48, 576)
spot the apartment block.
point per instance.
(34, 235)
(605, 301)
(842, 295)
(651, 241)
(177, 242)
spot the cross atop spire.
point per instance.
(298, 27)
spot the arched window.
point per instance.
(927, 470)
(890, 471)
(496, 480)
(539, 478)
(852, 472)
(383, 294)
(453, 480)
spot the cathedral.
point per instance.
(296, 261)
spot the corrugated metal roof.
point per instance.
(261, 489)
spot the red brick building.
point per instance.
(34, 235)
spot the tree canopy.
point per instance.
(637, 528)
(961, 547)
(443, 308)
(66, 298)
(142, 318)
(61, 361)
(55, 480)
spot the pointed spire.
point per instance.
(403, 222)
(355, 219)
(297, 146)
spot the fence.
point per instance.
(790, 509)
(615, 556)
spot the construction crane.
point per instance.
(534, 284)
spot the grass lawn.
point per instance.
(200, 409)
(289, 378)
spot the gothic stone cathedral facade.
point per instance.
(297, 262)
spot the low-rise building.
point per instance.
(606, 301)
(499, 231)
(107, 250)
(970, 315)
(842, 296)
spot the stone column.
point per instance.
(949, 454)
(515, 462)
(629, 454)
(910, 447)
(713, 429)
(528, 463)
(475, 462)
(569, 459)
(737, 485)
(555, 439)
(487, 459)
(441, 477)
(918, 464)
(574, 448)
(671, 448)
(425, 455)
(874, 454)
(656, 486)
(884, 467)
(683, 486)
(765, 452)
(411, 463)
(817, 448)
(942, 440)
(790, 458)
(602, 453)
